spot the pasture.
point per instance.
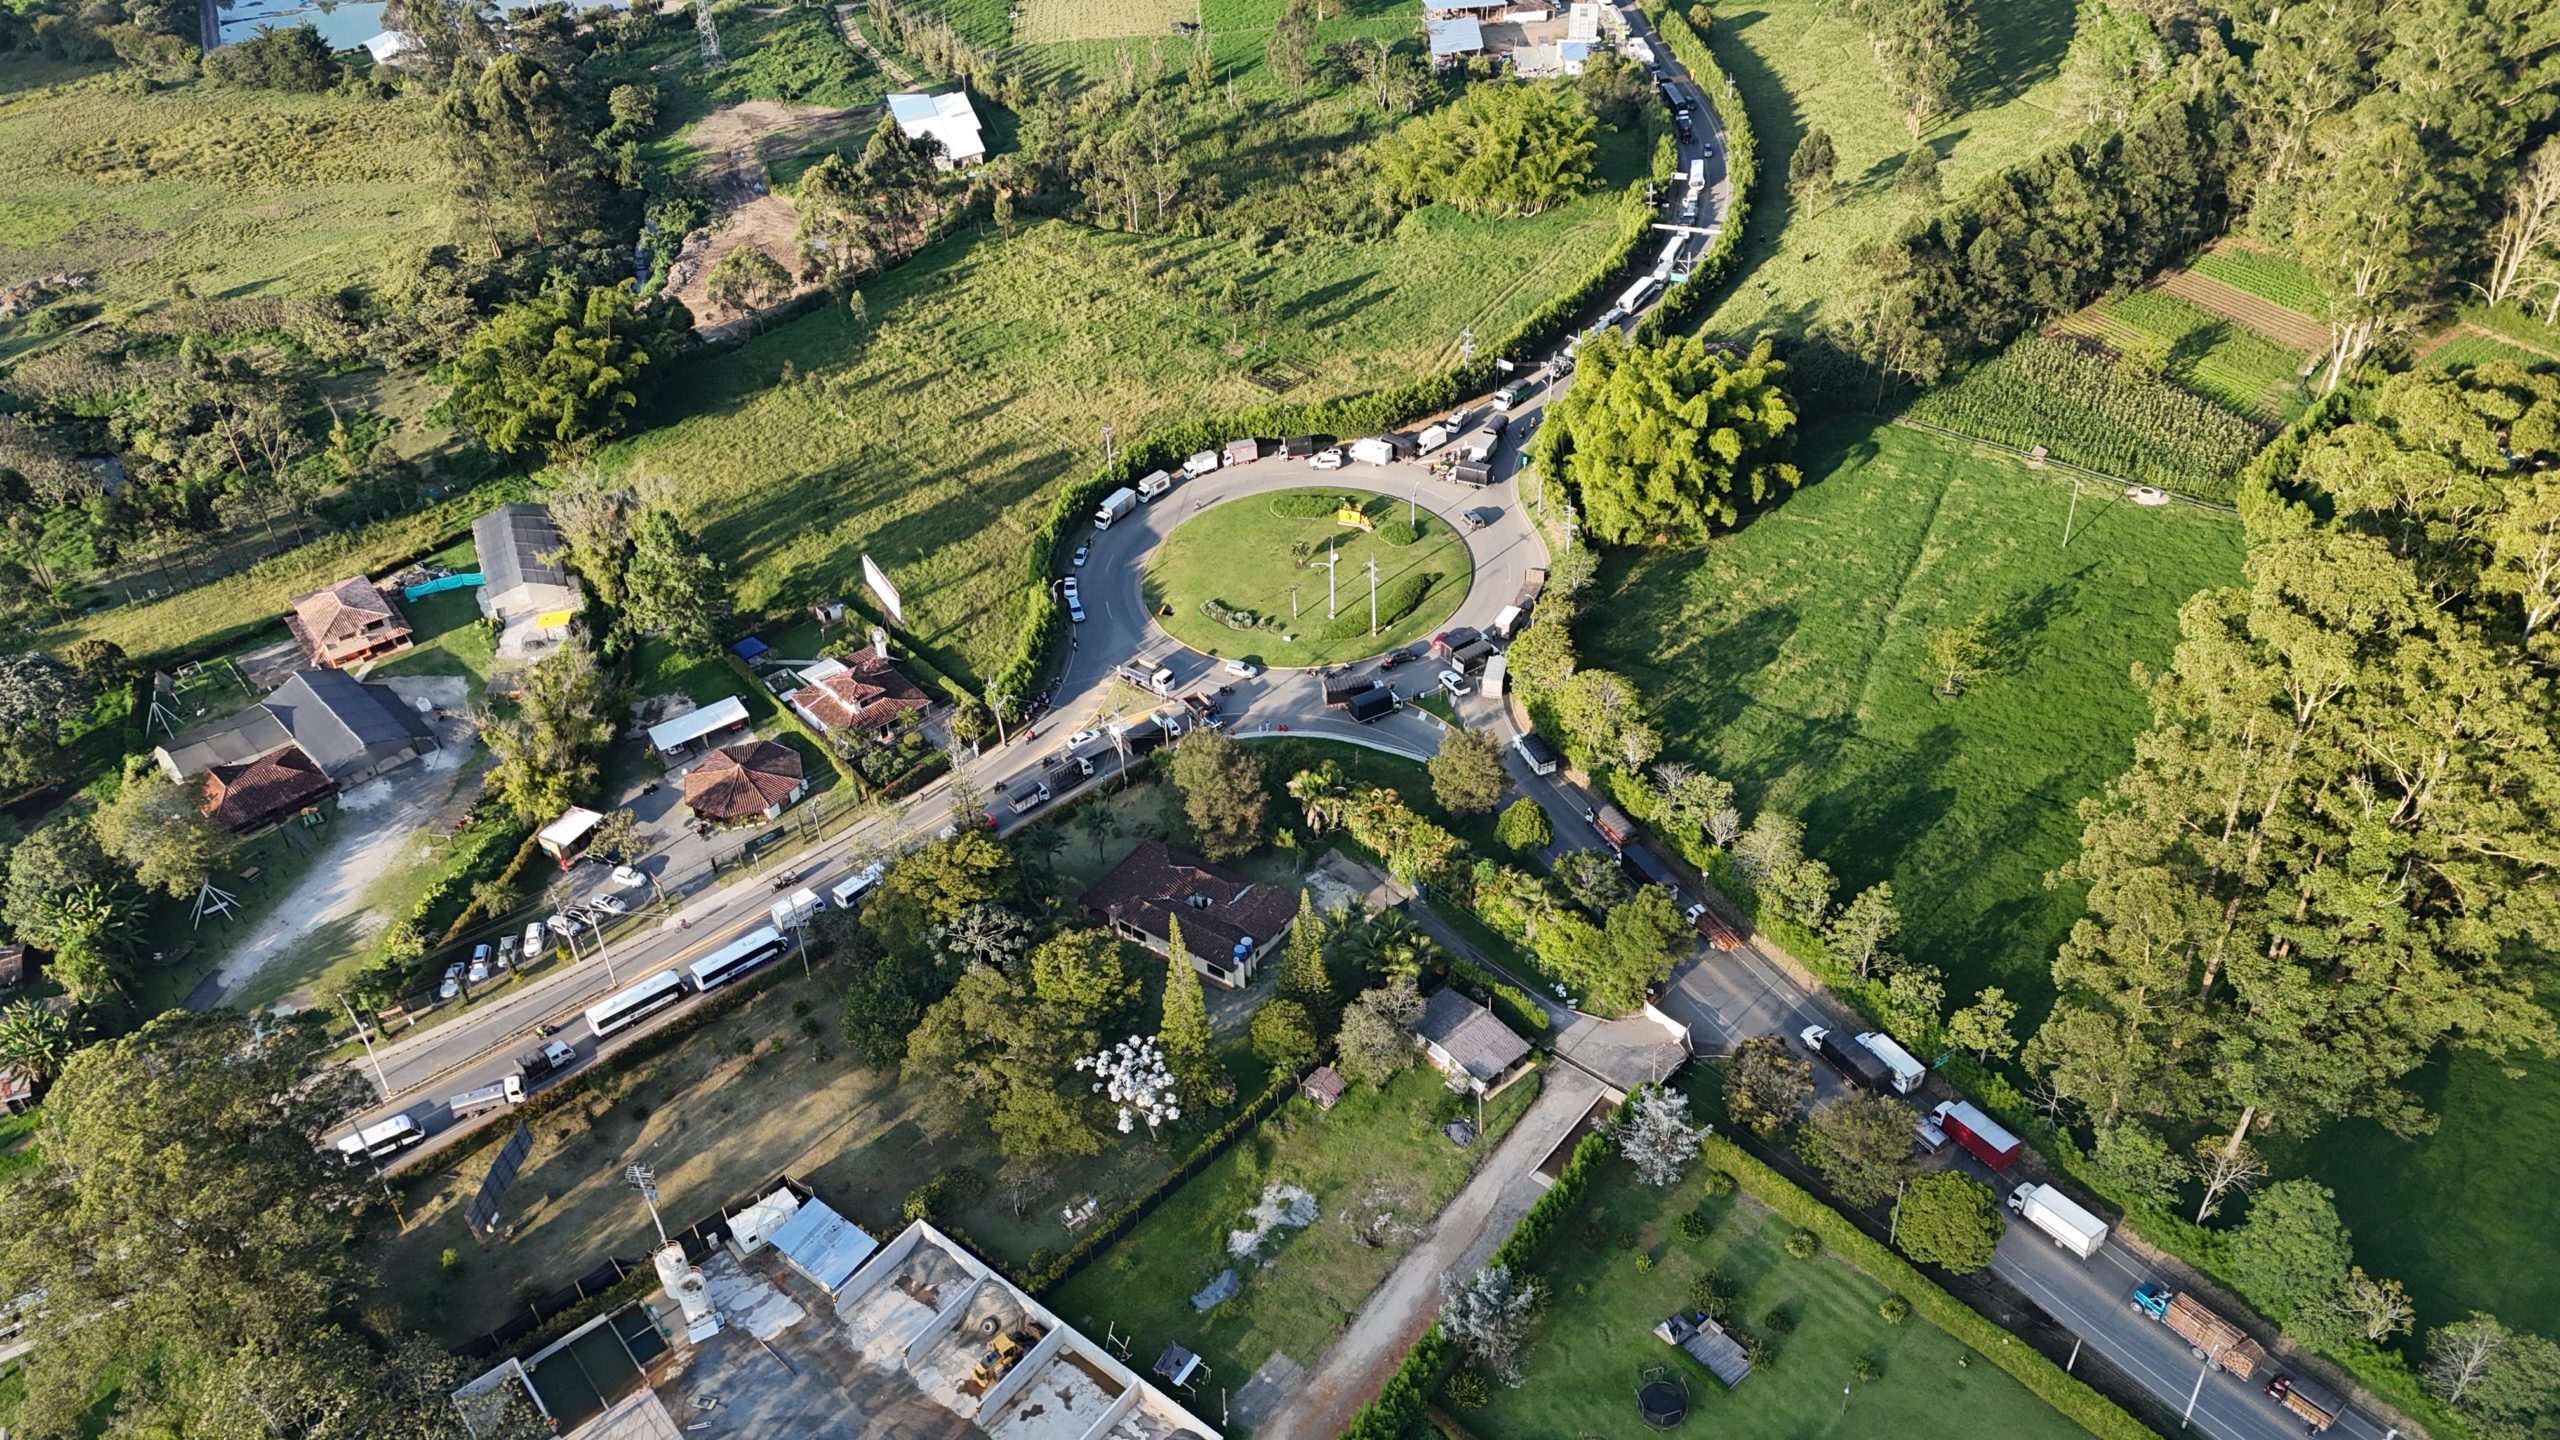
(1801, 64)
(1789, 658)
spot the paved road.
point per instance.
(1361, 1358)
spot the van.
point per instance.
(1503, 622)
(854, 887)
(1156, 483)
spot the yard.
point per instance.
(1789, 659)
(1260, 555)
(1803, 63)
(1377, 1170)
(1619, 1266)
(764, 1090)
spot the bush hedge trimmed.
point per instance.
(1517, 1007)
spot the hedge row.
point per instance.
(1693, 46)
(1050, 1276)
(1394, 603)
(1517, 1007)
(1407, 1393)
(2042, 1378)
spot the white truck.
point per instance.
(494, 1096)
(1373, 451)
(793, 910)
(2060, 1216)
(1199, 464)
(1907, 1072)
(1640, 52)
(1156, 483)
(1114, 505)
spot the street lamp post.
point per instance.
(367, 1037)
(1373, 594)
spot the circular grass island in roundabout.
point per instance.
(1221, 582)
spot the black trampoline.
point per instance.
(1662, 1403)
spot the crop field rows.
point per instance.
(2203, 352)
(2466, 347)
(2062, 395)
(2273, 278)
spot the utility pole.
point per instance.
(2068, 516)
(1466, 344)
(1329, 561)
(647, 1184)
(1107, 451)
(367, 1037)
(1373, 594)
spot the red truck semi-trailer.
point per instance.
(1979, 1134)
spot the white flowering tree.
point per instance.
(1658, 1137)
(1487, 1316)
(1132, 1076)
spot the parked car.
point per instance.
(1394, 658)
(533, 941)
(1075, 610)
(568, 922)
(612, 904)
(1081, 552)
(1069, 588)
(452, 985)
(628, 878)
(479, 968)
(1245, 669)
(1454, 681)
(1326, 459)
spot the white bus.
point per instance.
(636, 1003)
(738, 957)
(381, 1140)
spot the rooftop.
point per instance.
(518, 545)
(337, 719)
(737, 781)
(1470, 1036)
(947, 118)
(1455, 37)
(864, 692)
(1219, 909)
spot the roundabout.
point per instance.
(1284, 578)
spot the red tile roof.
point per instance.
(739, 781)
(868, 695)
(256, 792)
(335, 620)
(1219, 908)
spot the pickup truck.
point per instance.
(552, 1056)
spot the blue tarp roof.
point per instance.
(1573, 51)
(823, 1245)
(748, 649)
(1456, 37)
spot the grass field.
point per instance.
(1377, 1151)
(714, 1121)
(2471, 348)
(1071, 42)
(18, 1153)
(792, 54)
(234, 191)
(2271, 277)
(932, 433)
(2526, 330)
(1803, 63)
(1245, 555)
(1788, 658)
(1594, 1336)
(2207, 354)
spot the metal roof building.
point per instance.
(351, 729)
(521, 574)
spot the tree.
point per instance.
(2359, 228)
(1593, 878)
(35, 1039)
(1810, 167)
(560, 371)
(2459, 1354)
(2529, 229)
(1501, 149)
(671, 587)
(616, 838)
(1000, 1056)
(1957, 653)
(2226, 1164)
(1283, 1035)
(1303, 976)
(1222, 793)
(1486, 1315)
(1467, 777)
(1919, 46)
(933, 883)
(1862, 1145)
(746, 280)
(1668, 440)
(1184, 1030)
(550, 746)
(1646, 936)
(1080, 972)
(1767, 1086)
(186, 1220)
(1376, 1042)
(37, 694)
(98, 663)
(1948, 1219)
(2132, 1161)
(1657, 1137)
(1596, 708)
(1916, 178)
(983, 934)
(293, 59)
(520, 150)
(2520, 1392)
(1772, 846)
(2292, 1253)
(159, 829)
(1690, 801)
(1915, 1000)
(1862, 934)
(1523, 828)
(2115, 60)
(66, 896)
(2372, 1309)
(1615, 88)
(1289, 52)
(1983, 1027)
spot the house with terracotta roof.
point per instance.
(754, 780)
(351, 621)
(1229, 923)
(351, 730)
(255, 794)
(862, 694)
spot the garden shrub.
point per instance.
(1468, 1390)
(1778, 1322)
(1302, 505)
(1894, 1309)
(1718, 1184)
(1695, 1226)
(1803, 1244)
(1396, 600)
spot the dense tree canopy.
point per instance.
(1668, 440)
(1501, 149)
(561, 370)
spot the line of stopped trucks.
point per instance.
(1873, 1061)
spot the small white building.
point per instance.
(946, 119)
(391, 46)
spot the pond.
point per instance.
(344, 26)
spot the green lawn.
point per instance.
(281, 857)
(2271, 277)
(1378, 1151)
(1594, 1336)
(18, 1144)
(451, 636)
(1788, 658)
(790, 54)
(933, 434)
(1245, 555)
(2207, 354)
(235, 191)
(1805, 63)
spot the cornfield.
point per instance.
(2071, 400)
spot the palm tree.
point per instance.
(1320, 793)
(1389, 944)
(1099, 823)
(35, 1040)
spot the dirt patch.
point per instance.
(738, 141)
(1282, 1207)
(2285, 327)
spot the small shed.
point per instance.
(1454, 41)
(670, 737)
(565, 837)
(1325, 1086)
(822, 1245)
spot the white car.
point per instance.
(533, 941)
(567, 922)
(452, 985)
(1326, 459)
(1081, 552)
(628, 878)
(1242, 669)
(1454, 681)
(1081, 738)
(1068, 588)
(1075, 610)
(611, 904)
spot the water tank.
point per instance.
(690, 1290)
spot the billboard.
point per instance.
(878, 580)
